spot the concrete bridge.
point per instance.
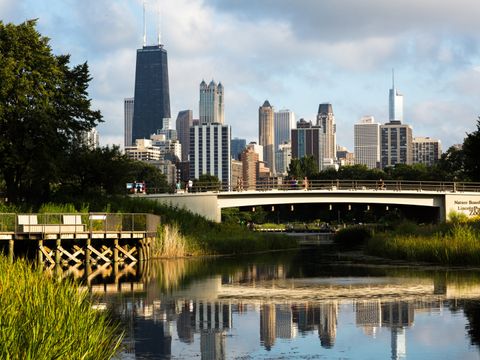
(441, 197)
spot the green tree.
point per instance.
(305, 166)
(206, 182)
(471, 151)
(44, 108)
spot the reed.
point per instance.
(46, 319)
(169, 242)
(460, 245)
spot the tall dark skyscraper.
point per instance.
(152, 96)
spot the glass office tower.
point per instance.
(152, 96)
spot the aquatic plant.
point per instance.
(42, 318)
(460, 245)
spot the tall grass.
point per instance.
(459, 245)
(44, 319)
(169, 242)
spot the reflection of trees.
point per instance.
(471, 309)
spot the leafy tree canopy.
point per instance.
(44, 108)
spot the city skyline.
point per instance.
(346, 63)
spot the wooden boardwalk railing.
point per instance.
(91, 238)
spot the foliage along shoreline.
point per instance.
(456, 243)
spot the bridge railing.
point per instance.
(78, 222)
(302, 184)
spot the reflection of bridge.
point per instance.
(442, 197)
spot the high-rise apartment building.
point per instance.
(238, 145)
(284, 122)
(326, 121)
(266, 134)
(210, 151)
(367, 142)
(212, 103)
(395, 103)
(152, 96)
(396, 144)
(306, 141)
(426, 150)
(128, 104)
(183, 123)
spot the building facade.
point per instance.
(211, 106)
(128, 104)
(266, 134)
(396, 144)
(283, 157)
(152, 95)
(210, 151)
(250, 160)
(326, 121)
(143, 150)
(426, 150)
(306, 141)
(238, 145)
(284, 122)
(367, 142)
(183, 123)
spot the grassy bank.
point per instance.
(447, 244)
(44, 319)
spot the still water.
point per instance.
(308, 304)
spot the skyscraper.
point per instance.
(266, 134)
(210, 151)
(326, 121)
(396, 144)
(128, 104)
(211, 104)
(395, 103)
(426, 150)
(367, 142)
(152, 97)
(284, 122)
(306, 140)
(237, 146)
(183, 124)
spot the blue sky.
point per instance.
(296, 54)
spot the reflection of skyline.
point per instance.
(201, 315)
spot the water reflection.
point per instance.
(296, 306)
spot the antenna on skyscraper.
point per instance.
(144, 25)
(159, 22)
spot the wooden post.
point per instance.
(58, 254)
(87, 253)
(10, 250)
(40, 253)
(140, 249)
(115, 251)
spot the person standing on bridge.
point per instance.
(305, 184)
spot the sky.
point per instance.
(295, 53)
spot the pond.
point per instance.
(306, 304)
